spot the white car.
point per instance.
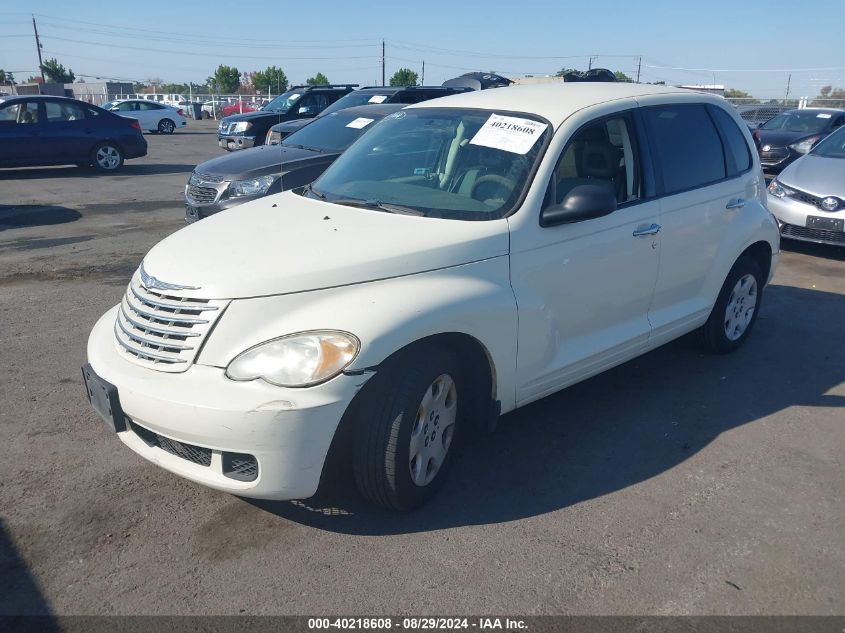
(154, 117)
(466, 256)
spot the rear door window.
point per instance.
(58, 112)
(686, 146)
(739, 158)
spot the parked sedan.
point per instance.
(788, 136)
(154, 117)
(40, 130)
(808, 197)
(239, 177)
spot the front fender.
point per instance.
(473, 299)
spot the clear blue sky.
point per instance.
(184, 41)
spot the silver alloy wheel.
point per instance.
(166, 126)
(108, 157)
(433, 430)
(741, 306)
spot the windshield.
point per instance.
(355, 99)
(808, 121)
(440, 162)
(831, 147)
(333, 132)
(109, 104)
(283, 102)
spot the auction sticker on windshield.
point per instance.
(377, 99)
(509, 133)
(359, 123)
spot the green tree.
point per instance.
(620, 76)
(563, 72)
(173, 88)
(404, 77)
(734, 93)
(830, 97)
(227, 79)
(271, 78)
(6, 78)
(318, 80)
(56, 73)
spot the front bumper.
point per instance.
(792, 216)
(288, 431)
(233, 142)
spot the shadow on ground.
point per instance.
(25, 215)
(20, 594)
(618, 429)
(129, 169)
(825, 251)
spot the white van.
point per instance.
(464, 257)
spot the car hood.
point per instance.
(250, 116)
(816, 175)
(291, 126)
(286, 243)
(257, 161)
(776, 138)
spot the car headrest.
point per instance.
(599, 159)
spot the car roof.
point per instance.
(822, 110)
(555, 102)
(379, 109)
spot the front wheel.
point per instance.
(107, 157)
(406, 429)
(166, 126)
(736, 308)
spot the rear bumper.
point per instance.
(288, 431)
(135, 148)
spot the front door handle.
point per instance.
(736, 203)
(651, 229)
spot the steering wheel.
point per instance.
(501, 181)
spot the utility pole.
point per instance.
(788, 81)
(590, 63)
(382, 62)
(639, 65)
(422, 83)
(38, 46)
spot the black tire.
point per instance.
(166, 126)
(114, 153)
(381, 453)
(713, 334)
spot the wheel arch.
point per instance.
(760, 252)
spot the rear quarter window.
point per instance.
(739, 158)
(686, 145)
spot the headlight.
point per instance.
(297, 360)
(805, 146)
(778, 190)
(241, 127)
(251, 187)
(273, 137)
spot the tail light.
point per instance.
(180, 112)
(135, 124)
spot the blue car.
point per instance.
(37, 131)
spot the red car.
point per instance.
(235, 108)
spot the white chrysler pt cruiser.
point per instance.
(465, 257)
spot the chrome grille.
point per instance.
(208, 177)
(807, 198)
(163, 331)
(202, 195)
(774, 155)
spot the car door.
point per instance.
(149, 115)
(584, 288)
(22, 139)
(702, 194)
(70, 134)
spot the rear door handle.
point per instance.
(651, 229)
(736, 203)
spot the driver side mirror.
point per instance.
(306, 110)
(583, 202)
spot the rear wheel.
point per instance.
(406, 429)
(166, 126)
(736, 309)
(107, 157)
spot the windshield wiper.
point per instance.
(378, 204)
(310, 189)
(313, 149)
